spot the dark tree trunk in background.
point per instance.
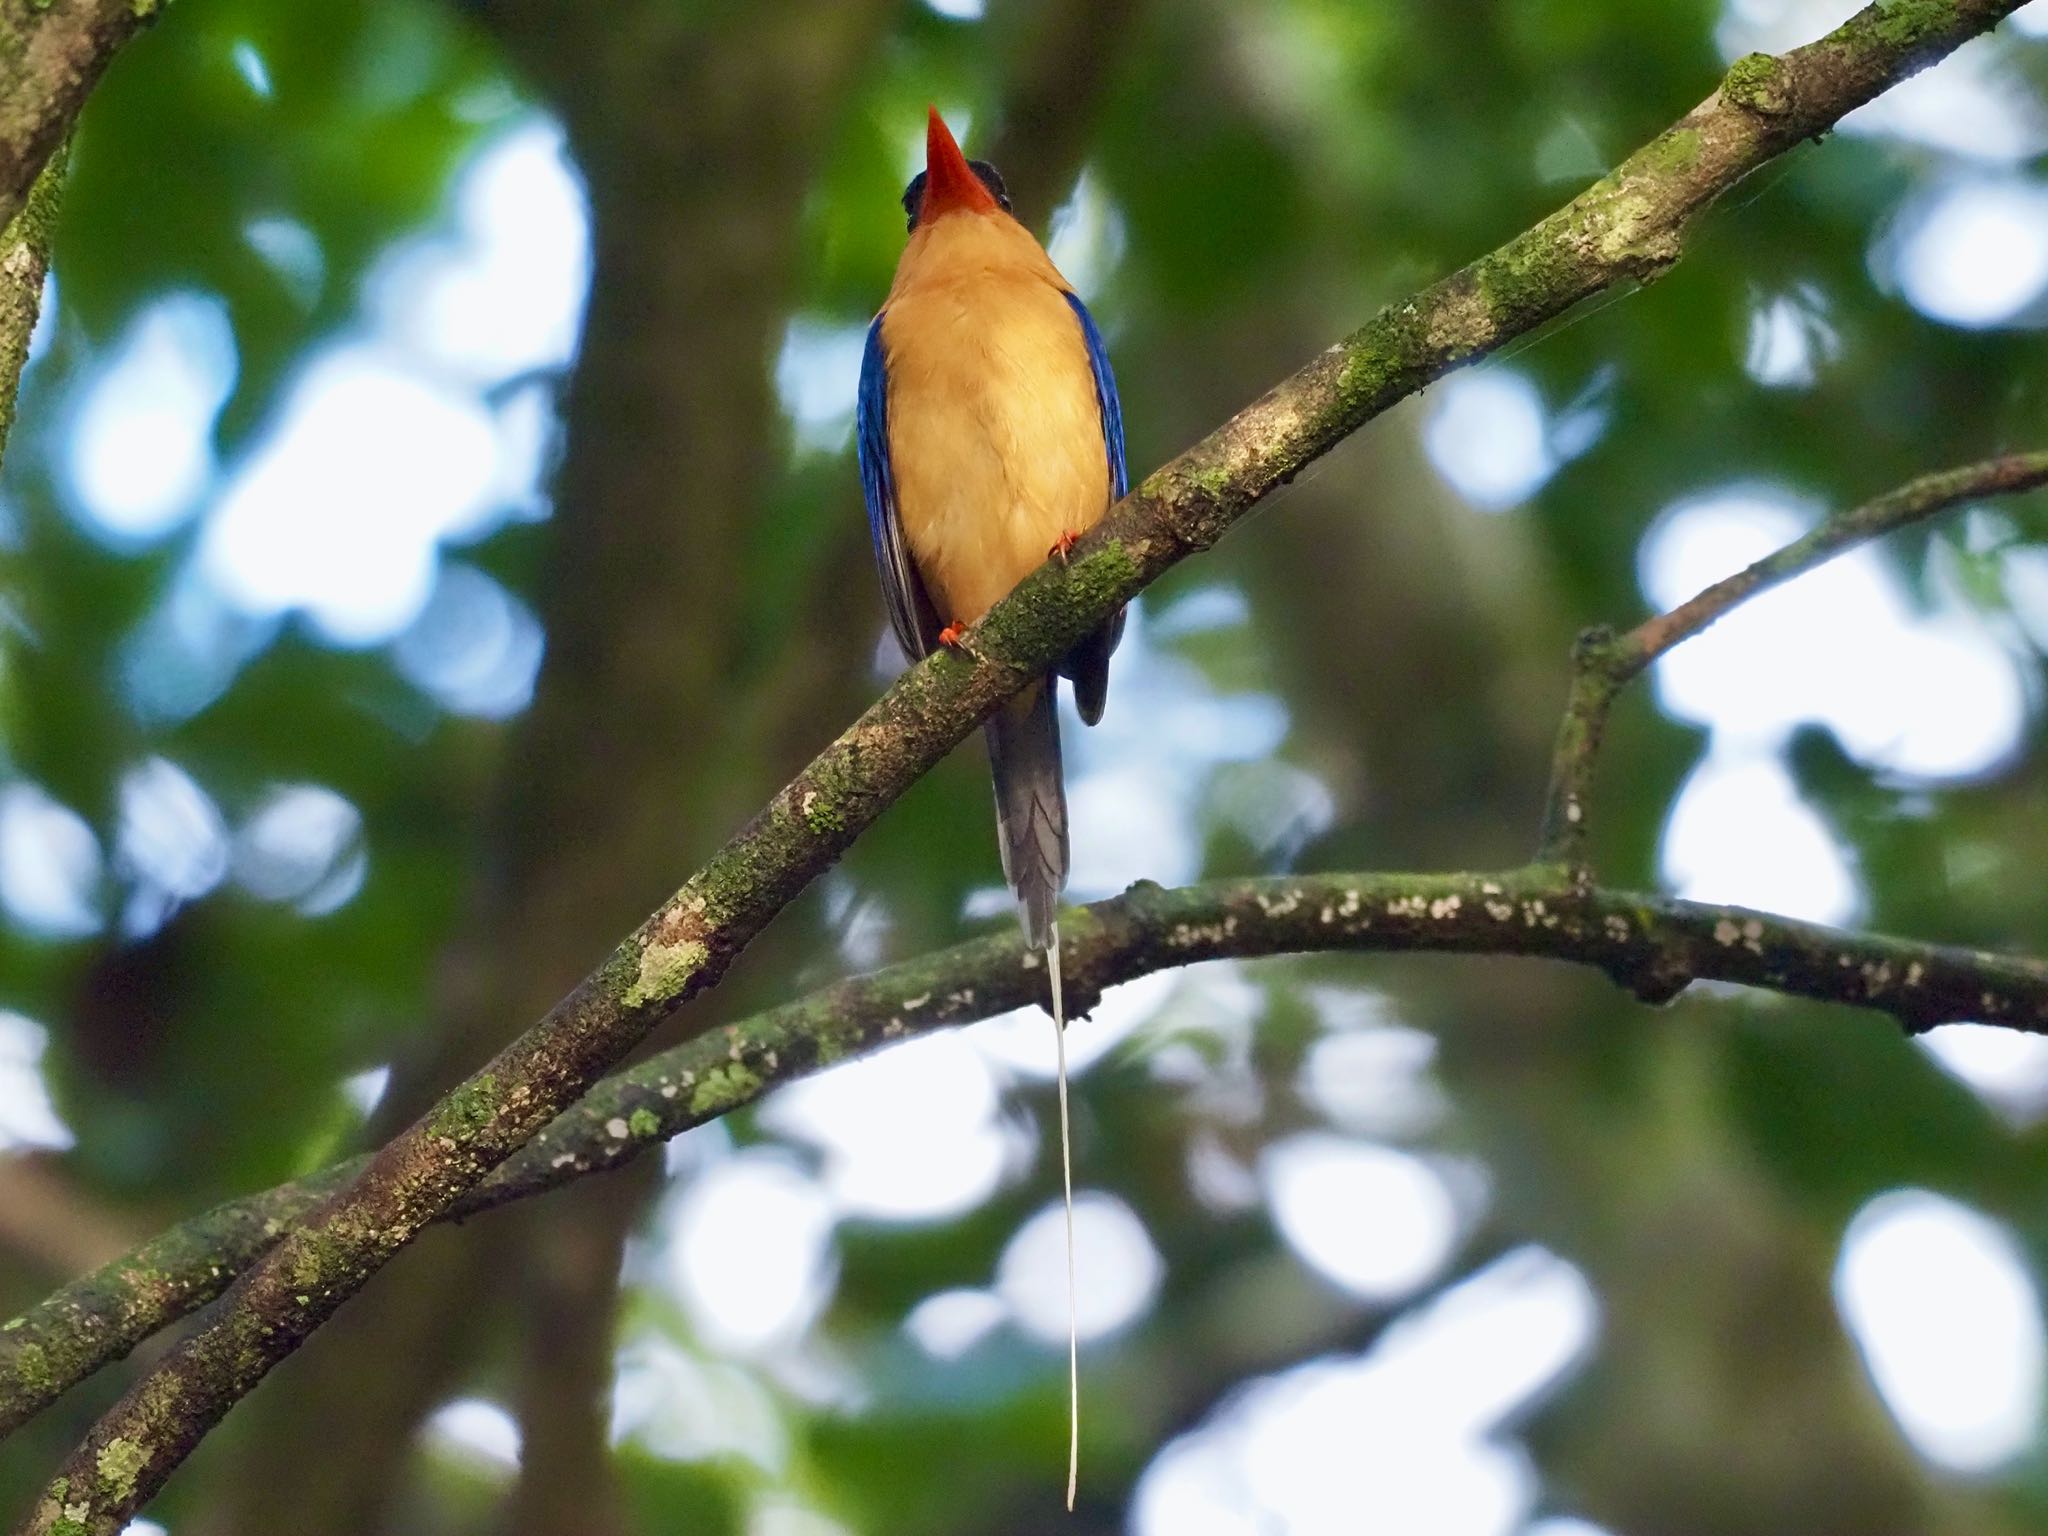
(697, 140)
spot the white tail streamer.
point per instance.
(1059, 1026)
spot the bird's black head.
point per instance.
(988, 175)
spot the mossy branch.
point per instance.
(1628, 226)
(52, 53)
(24, 264)
(1652, 945)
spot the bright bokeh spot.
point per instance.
(1117, 1267)
(1944, 1308)
(502, 294)
(28, 1118)
(748, 1250)
(185, 652)
(250, 66)
(475, 647)
(1740, 834)
(1404, 1438)
(477, 1428)
(1487, 435)
(682, 1408)
(909, 1134)
(140, 449)
(817, 376)
(365, 1090)
(779, 1514)
(1975, 253)
(50, 864)
(302, 844)
(293, 252)
(1378, 1222)
(1134, 781)
(1086, 239)
(171, 845)
(1789, 339)
(341, 511)
(1930, 695)
(1375, 1081)
(2008, 1068)
(948, 1324)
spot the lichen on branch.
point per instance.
(1651, 945)
(24, 264)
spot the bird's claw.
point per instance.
(1062, 545)
(954, 637)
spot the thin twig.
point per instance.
(1604, 662)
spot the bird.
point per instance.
(990, 437)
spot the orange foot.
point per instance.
(954, 637)
(1065, 543)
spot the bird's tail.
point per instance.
(1031, 805)
(1031, 819)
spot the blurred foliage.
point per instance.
(1274, 170)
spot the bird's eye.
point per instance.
(992, 178)
(913, 197)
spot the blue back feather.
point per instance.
(871, 429)
(910, 610)
(1105, 397)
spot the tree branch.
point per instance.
(24, 264)
(1653, 946)
(1603, 663)
(1629, 225)
(52, 53)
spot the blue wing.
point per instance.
(1087, 665)
(910, 610)
(1105, 397)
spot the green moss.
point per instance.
(724, 1088)
(664, 970)
(32, 1368)
(1214, 481)
(467, 1109)
(643, 1123)
(1677, 150)
(120, 1462)
(1093, 585)
(819, 814)
(1757, 81)
(315, 1257)
(1525, 276)
(1902, 23)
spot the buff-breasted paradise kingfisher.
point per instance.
(990, 437)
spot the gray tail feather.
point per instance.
(1031, 805)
